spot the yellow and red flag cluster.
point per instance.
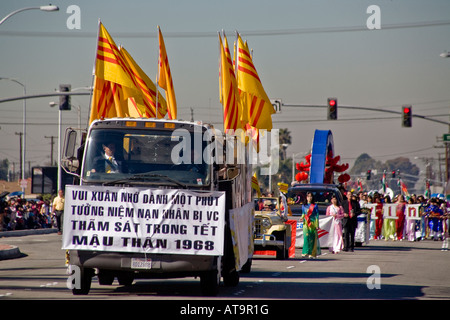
(245, 102)
(121, 87)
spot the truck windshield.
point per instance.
(121, 154)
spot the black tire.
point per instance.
(105, 277)
(231, 279)
(247, 267)
(125, 278)
(86, 275)
(210, 280)
(209, 283)
(282, 253)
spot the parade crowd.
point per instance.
(433, 223)
(19, 214)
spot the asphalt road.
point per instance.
(381, 270)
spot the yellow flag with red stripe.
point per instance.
(121, 88)
(109, 100)
(257, 107)
(165, 78)
(229, 91)
(109, 64)
(146, 103)
(255, 185)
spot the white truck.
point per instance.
(173, 201)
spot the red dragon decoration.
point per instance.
(332, 166)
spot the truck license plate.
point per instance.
(140, 263)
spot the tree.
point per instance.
(364, 163)
(408, 172)
(285, 140)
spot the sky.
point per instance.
(304, 51)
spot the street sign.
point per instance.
(23, 183)
(446, 137)
(276, 103)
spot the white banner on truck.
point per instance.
(144, 220)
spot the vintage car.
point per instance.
(271, 232)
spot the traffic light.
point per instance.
(64, 101)
(407, 116)
(369, 173)
(332, 108)
(393, 174)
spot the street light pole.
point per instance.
(59, 151)
(42, 8)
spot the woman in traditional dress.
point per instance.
(337, 212)
(379, 215)
(434, 214)
(400, 222)
(410, 229)
(388, 224)
(310, 218)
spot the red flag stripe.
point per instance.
(244, 52)
(256, 115)
(245, 70)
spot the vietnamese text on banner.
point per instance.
(144, 220)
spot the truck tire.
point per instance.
(231, 279)
(209, 283)
(282, 253)
(210, 280)
(86, 275)
(105, 277)
(247, 267)
(125, 278)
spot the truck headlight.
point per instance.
(266, 223)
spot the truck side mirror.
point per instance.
(69, 161)
(70, 142)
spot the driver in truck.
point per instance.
(108, 161)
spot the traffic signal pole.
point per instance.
(44, 95)
(362, 108)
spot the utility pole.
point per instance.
(52, 142)
(20, 143)
(29, 168)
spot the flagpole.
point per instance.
(220, 63)
(236, 59)
(157, 76)
(93, 75)
(220, 75)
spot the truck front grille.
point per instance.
(258, 227)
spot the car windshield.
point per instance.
(151, 156)
(265, 204)
(322, 197)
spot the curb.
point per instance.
(9, 252)
(27, 232)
